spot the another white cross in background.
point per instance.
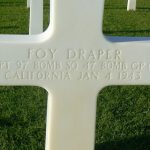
(131, 5)
(36, 16)
(28, 3)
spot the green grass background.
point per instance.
(117, 21)
(123, 112)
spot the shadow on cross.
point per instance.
(135, 143)
(124, 31)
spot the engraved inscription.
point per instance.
(138, 65)
(22, 64)
(30, 75)
(41, 53)
(130, 76)
(113, 66)
(81, 54)
(89, 76)
(47, 65)
(94, 76)
(77, 64)
(4, 65)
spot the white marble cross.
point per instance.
(131, 5)
(73, 61)
(36, 17)
(28, 3)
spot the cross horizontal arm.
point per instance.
(122, 63)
